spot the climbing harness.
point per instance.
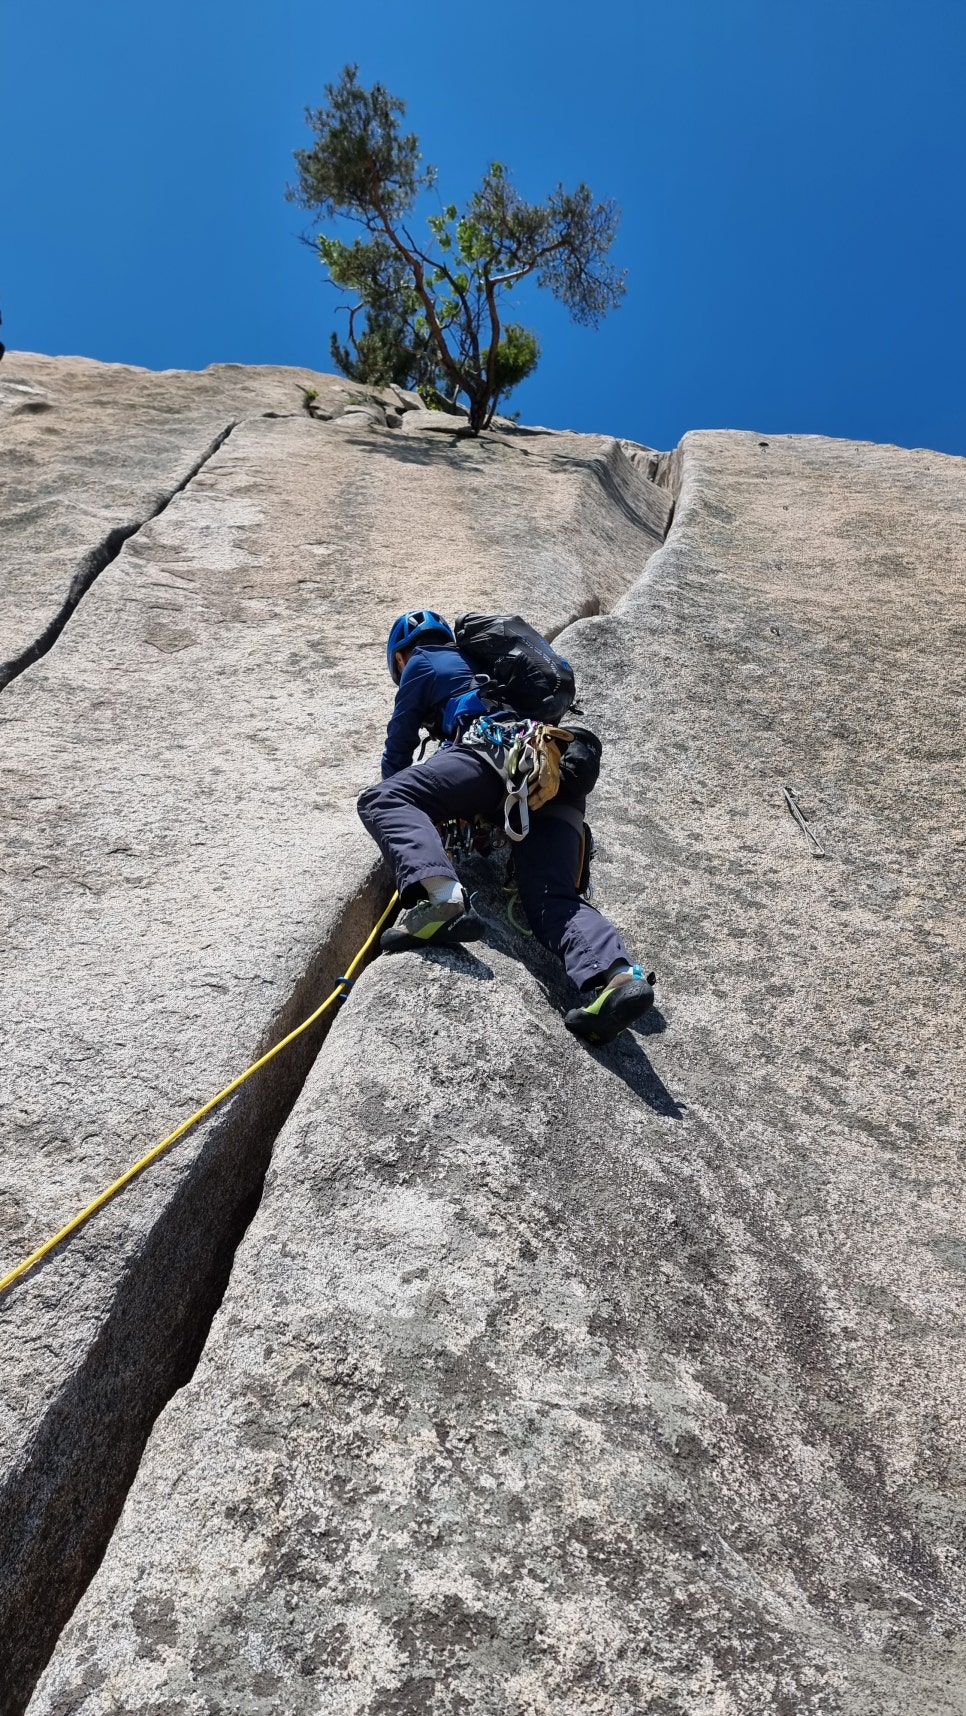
(527, 756)
(338, 994)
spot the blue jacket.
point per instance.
(434, 680)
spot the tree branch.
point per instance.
(430, 261)
(412, 261)
(535, 261)
(491, 359)
(433, 262)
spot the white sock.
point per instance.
(443, 890)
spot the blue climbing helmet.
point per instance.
(421, 626)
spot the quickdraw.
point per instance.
(463, 839)
(526, 755)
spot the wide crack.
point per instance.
(617, 475)
(94, 562)
(59, 1507)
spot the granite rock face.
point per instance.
(183, 874)
(631, 1380)
(91, 451)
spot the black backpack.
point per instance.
(515, 667)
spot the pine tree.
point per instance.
(431, 313)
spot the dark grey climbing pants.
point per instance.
(401, 814)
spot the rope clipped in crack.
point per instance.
(111, 1191)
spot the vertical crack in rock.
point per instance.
(94, 562)
(60, 1506)
(618, 474)
(586, 611)
(664, 470)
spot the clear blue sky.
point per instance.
(792, 175)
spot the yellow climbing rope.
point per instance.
(118, 1185)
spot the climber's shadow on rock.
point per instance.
(627, 1059)
(653, 1024)
(625, 1056)
(462, 959)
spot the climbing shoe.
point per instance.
(436, 923)
(616, 1007)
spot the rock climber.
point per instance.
(435, 688)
